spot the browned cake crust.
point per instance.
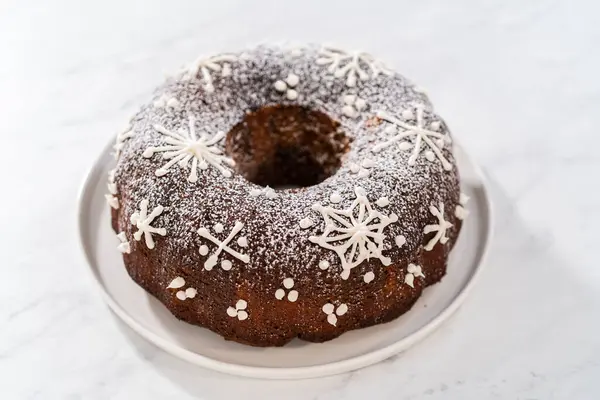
(374, 212)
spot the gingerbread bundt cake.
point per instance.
(278, 193)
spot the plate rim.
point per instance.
(305, 372)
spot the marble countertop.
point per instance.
(518, 83)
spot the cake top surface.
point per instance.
(184, 192)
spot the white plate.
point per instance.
(353, 350)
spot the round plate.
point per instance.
(356, 349)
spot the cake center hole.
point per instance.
(286, 146)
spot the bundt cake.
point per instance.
(285, 192)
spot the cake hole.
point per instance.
(287, 146)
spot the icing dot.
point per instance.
(190, 293)
(332, 319)
(407, 114)
(292, 80)
(383, 202)
(293, 296)
(288, 283)
(279, 294)
(335, 197)
(342, 309)
(280, 86)
(232, 312)
(328, 308)
(460, 212)
(112, 201)
(349, 111)
(242, 241)
(360, 104)
(324, 264)
(203, 250)
(400, 240)
(242, 315)
(429, 155)
(176, 283)
(369, 276)
(367, 163)
(354, 168)
(181, 295)
(226, 265)
(292, 94)
(306, 223)
(218, 228)
(241, 304)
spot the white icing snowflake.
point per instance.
(206, 66)
(353, 105)
(142, 222)
(167, 102)
(178, 283)
(355, 65)
(333, 312)
(223, 245)
(267, 191)
(354, 234)
(239, 310)
(423, 136)
(362, 169)
(440, 228)
(292, 296)
(122, 136)
(413, 271)
(182, 147)
(460, 211)
(287, 86)
(124, 246)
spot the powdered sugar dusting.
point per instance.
(274, 239)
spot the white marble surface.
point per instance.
(518, 83)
